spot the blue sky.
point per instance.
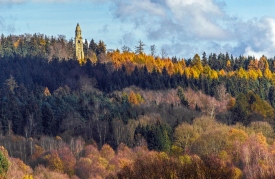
(181, 27)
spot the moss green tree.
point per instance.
(4, 165)
(182, 97)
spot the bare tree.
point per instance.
(102, 131)
(211, 111)
(125, 49)
(153, 49)
(163, 53)
(9, 127)
(221, 92)
(140, 47)
(30, 126)
(119, 130)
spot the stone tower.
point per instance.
(79, 54)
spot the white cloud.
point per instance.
(257, 54)
(138, 12)
(200, 16)
(200, 25)
(178, 23)
(262, 38)
(271, 29)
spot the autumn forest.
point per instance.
(127, 114)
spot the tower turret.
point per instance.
(79, 54)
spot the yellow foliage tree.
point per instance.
(267, 73)
(54, 162)
(242, 73)
(178, 69)
(187, 72)
(132, 98)
(107, 152)
(170, 68)
(206, 70)
(237, 135)
(47, 92)
(196, 62)
(222, 73)
(231, 103)
(16, 43)
(252, 74)
(195, 73)
(228, 65)
(213, 74)
(185, 135)
(28, 177)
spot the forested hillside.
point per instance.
(124, 114)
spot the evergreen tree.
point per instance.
(240, 110)
(271, 96)
(93, 46)
(101, 48)
(48, 120)
(182, 97)
(204, 59)
(85, 47)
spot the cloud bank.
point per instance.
(193, 26)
